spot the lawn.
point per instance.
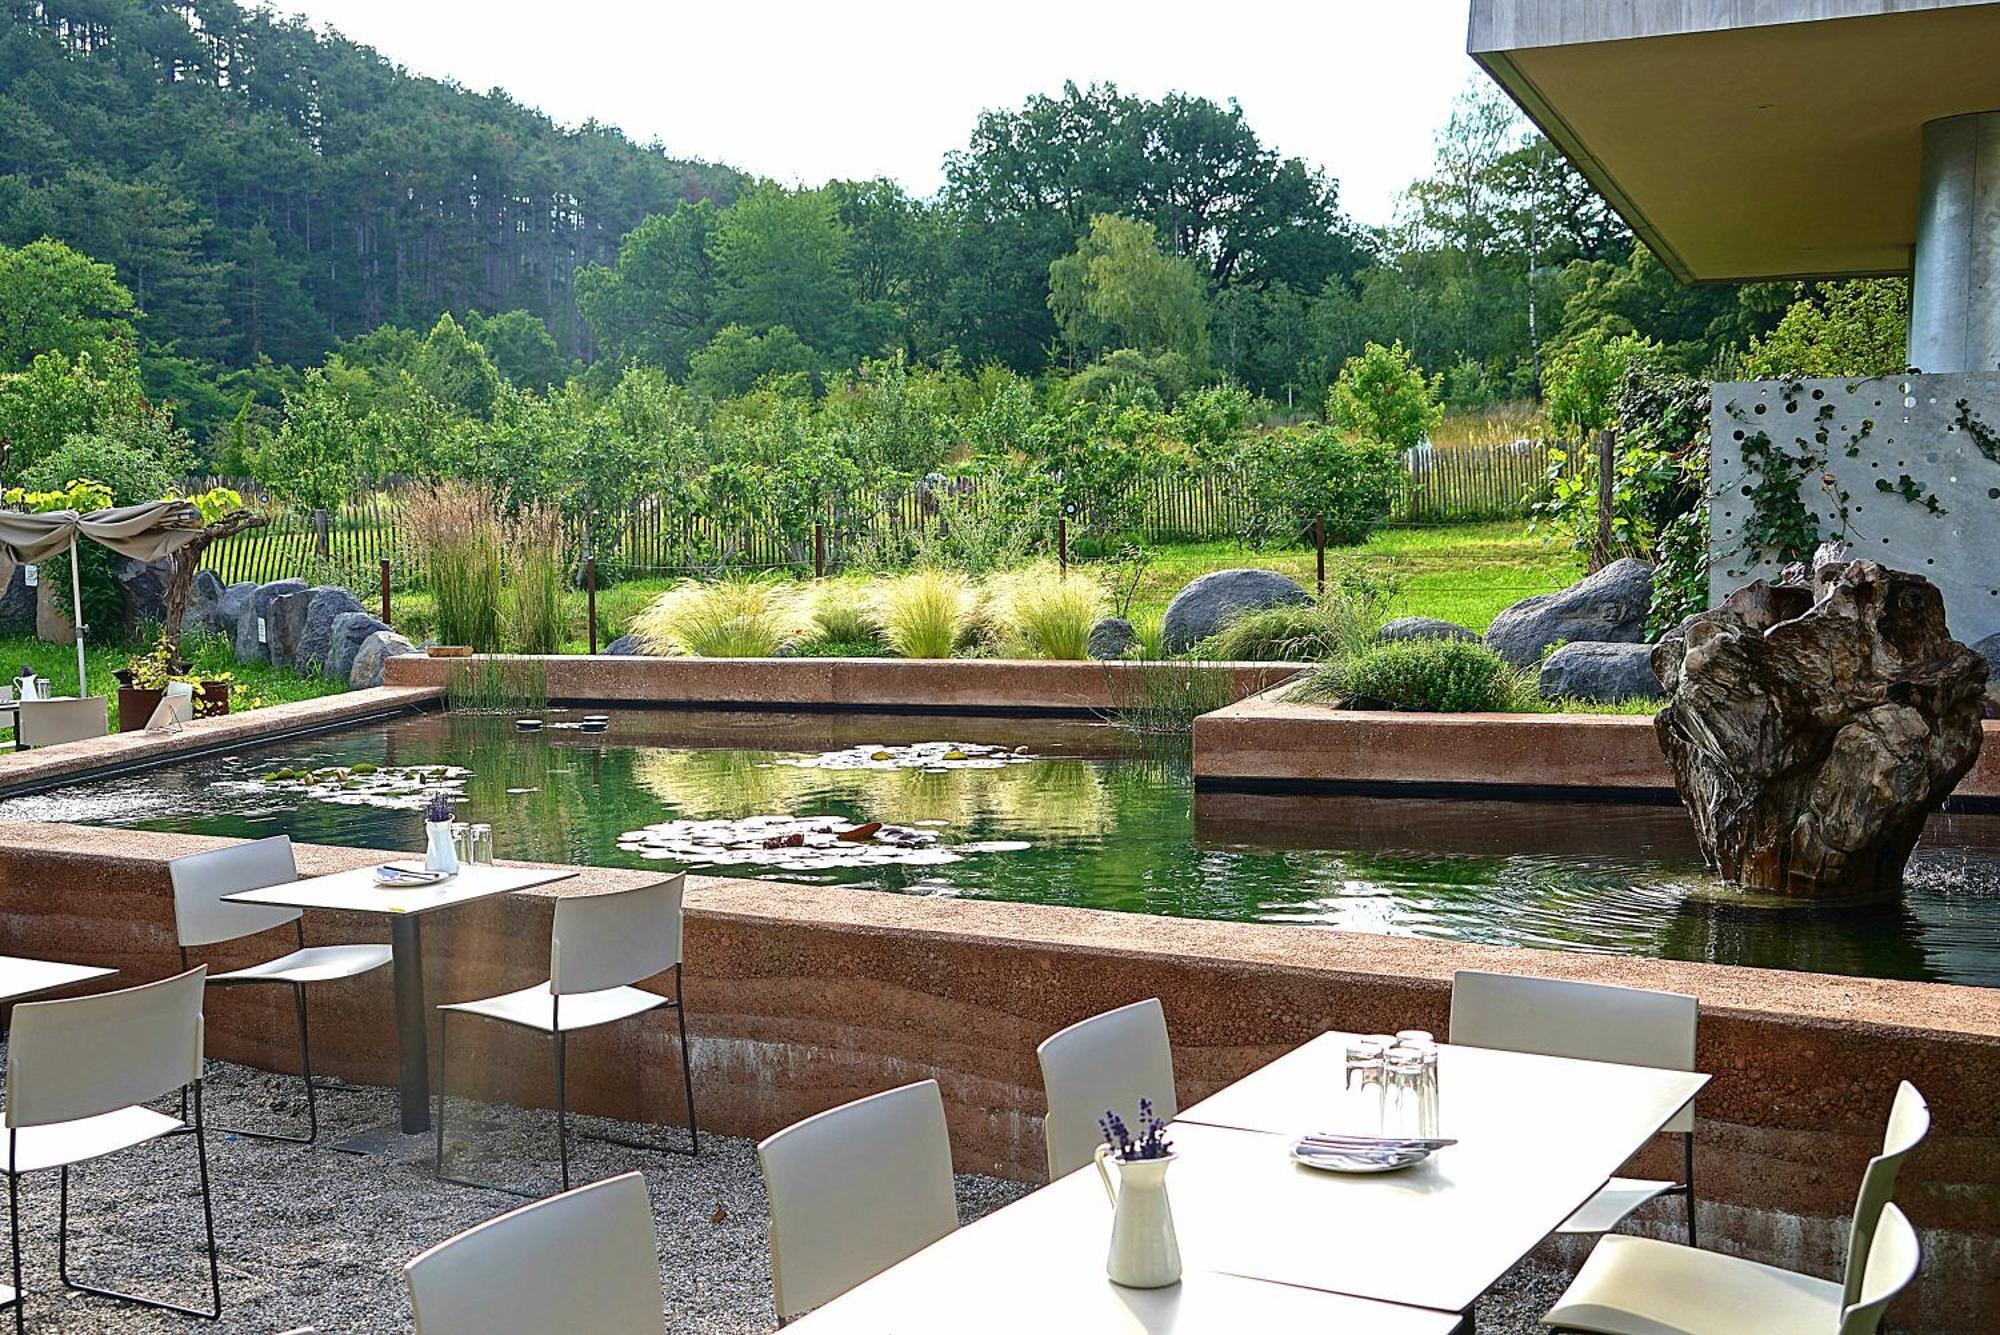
(254, 688)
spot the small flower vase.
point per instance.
(1144, 1254)
(440, 855)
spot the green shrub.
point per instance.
(1453, 676)
(1042, 613)
(731, 617)
(927, 613)
(1300, 474)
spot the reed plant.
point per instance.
(496, 686)
(731, 617)
(537, 592)
(455, 532)
(1162, 698)
(1043, 612)
(927, 613)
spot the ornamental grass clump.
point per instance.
(842, 614)
(536, 604)
(1042, 612)
(927, 613)
(1450, 676)
(731, 617)
(1341, 622)
(455, 532)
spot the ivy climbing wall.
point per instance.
(1905, 468)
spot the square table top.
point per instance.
(355, 891)
(25, 977)
(1537, 1137)
(1038, 1264)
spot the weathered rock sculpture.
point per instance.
(1811, 728)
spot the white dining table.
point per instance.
(405, 907)
(1036, 1267)
(21, 977)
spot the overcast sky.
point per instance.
(805, 92)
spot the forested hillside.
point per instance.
(264, 190)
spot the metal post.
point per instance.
(76, 622)
(590, 596)
(387, 620)
(1955, 266)
(819, 550)
(413, 1058)
(1319, 550)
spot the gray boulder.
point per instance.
(283, 625)
(1608, 607)
(329, 603)
(1989, 649)
(1209, 603)
(1589, 670)
(350, 631)
(1424, 628)
(257, 607)
(204, 607)
(1113, 638)
(373, 656)
(144, 584)
(629, 645)
(17, 605)
(229, 607)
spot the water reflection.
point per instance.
(1110, 826)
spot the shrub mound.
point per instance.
(1450, 676)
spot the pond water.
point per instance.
(1058, 813)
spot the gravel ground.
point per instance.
(316, 1237)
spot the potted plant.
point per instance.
(143, 681)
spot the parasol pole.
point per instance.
(76, 607)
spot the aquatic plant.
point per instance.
(731, 617)
(927, 613)
(1044, 613)
(1163, 697)
(496, 685)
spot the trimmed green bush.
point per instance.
(1452, 676)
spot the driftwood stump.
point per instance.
(1813, 725)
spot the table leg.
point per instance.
(413, 1056)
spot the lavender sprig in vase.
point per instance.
(439, 854)
(1145, 1253)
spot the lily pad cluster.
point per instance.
(398, 787)
(797, 843)
(934, 757)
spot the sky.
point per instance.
(807, 92)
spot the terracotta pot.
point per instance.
(135, 706)
(211, 699)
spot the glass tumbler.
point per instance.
(1403, 1092)
(1361, 1097)
(1414, 1038)
(461, 842)
(480, 842)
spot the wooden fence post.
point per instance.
(1062, 546)
(386, 619)
(590, 596)
(1319, 550)
(1607, 489)
(320, 535)
(819, 550)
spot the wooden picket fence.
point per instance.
(1455, 485)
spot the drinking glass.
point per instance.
(461, 842)
(1414, 1037)
(481, 843)
(1403, 1092)
(1361, 1097)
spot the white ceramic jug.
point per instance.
(1145, 1254)
(24, 688)
(440, 854)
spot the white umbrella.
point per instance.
(144, 532)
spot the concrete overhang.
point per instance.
(1749, 139)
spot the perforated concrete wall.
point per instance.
(1905, 468)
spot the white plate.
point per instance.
(400, 876)
(1358, 1161)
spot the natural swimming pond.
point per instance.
(1058, 813)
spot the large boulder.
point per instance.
(144, 586)
(256, 608)
(373, 656)
(329, 604)
(229, 607)
(1811, 728)
(1424, 628)
(204, 607)
(1608, 607)
(1113, 638)
(284, 624)
(627, 645)
(1209, 603)
(1587, 670)
(350, 631)
(1989, 649)
(17, 605)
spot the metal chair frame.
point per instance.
(562, 1095)
(196, 1130)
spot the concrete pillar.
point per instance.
(1955, 282)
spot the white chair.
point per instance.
(601, 945)
(53, 722)
(583, 1262)
(1106, 1063)
(78, 1074)
(1640, 1286)
(202, 918)
(175, 710)
(1590, 1022)
(854, 1190)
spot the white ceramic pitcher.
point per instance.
(1145, 1254)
